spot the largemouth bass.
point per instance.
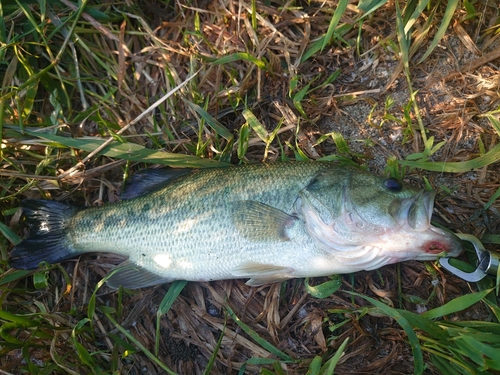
(267, 223)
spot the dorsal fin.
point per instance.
(149, 180)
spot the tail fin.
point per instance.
(47, 221)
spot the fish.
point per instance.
(263, 222)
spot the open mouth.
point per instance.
(445, 242)
(415, 211)
(420, 211)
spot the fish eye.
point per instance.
(392, 184)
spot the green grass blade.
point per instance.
(16, 275)
(340, 142)
(254, 14)
(317, 45)
(370, 6)
(464, 346)
(329, 366)
(415, 14)
(495, 123)
(93, 298)
(134, 341)
(40, 280)
(298, 97)
(457, 304)
(243, 139)
(256, 125)
(7, 78)
(133, 152)
(261, 361)
(29, 99)
(448, 365)
(2, 110)
(448, 15)
(490, 157)
(3, 33)
(479, 350)
(315, 366)
(260, 130)
(255, 336)
(403, 39)
(83, 354)
(341, 7)
(325, 289)
(9, 234)
(173, 292)
(492, 200)
(424, 324)
(412, 337)
(236, 57)
(17, 319)
(442, 365)
(213, 356)
(494, 308)
(213, 123)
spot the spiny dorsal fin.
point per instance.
(132, 276)
(150, 180)
(259, 222)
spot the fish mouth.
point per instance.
(416, 211)
(415, 215)
(420, 213)
(431, 244)
(444, 242)
(419, 218)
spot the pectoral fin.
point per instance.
(132, 276)
(262, 273)
(259, 222)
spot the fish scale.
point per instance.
(265, 222)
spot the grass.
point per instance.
(92, 92)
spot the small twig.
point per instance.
(126, 127)
(92, 21)
(495, 54)
(358, 93)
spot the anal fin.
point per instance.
(261, 274)
(132, 276)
